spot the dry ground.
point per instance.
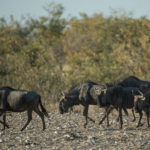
(66, 132)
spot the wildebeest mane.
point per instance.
(7, 87)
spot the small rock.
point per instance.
(1, 141)
(92, 139)
(56, 132)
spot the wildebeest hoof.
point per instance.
(108, 125)
(141, 124)
(133, 120)
(100, 122)
(7, 126)
(84, 125)
(92, 120)
(3, 129)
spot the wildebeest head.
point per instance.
(137, 94)
(64, 104)
(100, 89)
(138, 104)
(138, 100)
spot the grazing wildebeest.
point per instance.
(143, 105)
(120, 98)
(13, 100)
(84, 94)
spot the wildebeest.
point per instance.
(84, 94)
(13, 100)
(143, 105)
(133, 81)
(120, 98)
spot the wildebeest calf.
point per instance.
(19, 101)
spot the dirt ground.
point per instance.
(66, 132)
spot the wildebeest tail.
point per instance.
(43, 109)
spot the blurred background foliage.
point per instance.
(52, 54)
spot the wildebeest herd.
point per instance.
(131, 93)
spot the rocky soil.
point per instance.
(66, 132)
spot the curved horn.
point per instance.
(62, 93)
(143, 98)
(62, 96)
(140, 92)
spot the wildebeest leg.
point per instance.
(4, 125)
(90, 119)
(139, 123)
(134, 118)
(85, 113)
(41, 116)
(147, 115)
(4, 122)
(29, 112)
(120, 117)
(107, 116)
(125, 111)
(104, 117)
(107, 112)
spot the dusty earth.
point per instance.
(66, 132)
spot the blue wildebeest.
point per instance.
(12, 100)
(132, 81)
(120, 98)
(84, 94)
(143, 105)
